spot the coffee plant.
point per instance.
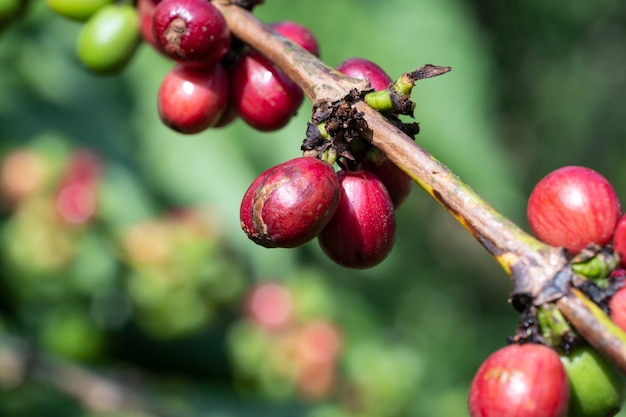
(248, 207)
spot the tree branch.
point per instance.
(538, 270)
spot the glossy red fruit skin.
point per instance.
(265, 98)
(520, 381)
(230, 115)
(617, 306)
(298, 34)
(190, 31)
(192, 99)
(572, 207)
(245, 209)
(397, 183)
(362, 232)
(291, 204)
(365, 69)
(145, 10)
(619, 239)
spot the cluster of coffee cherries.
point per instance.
(294, 340)
(281, 348)
(217, 78)
(67, 240)
(351, 212)
(24, 175)
(578, 209)
(536, 380)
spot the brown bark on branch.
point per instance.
(539, 271)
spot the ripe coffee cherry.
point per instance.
(364, 69)
(617, 305)
(76, 199)
(245, 210)
(619, 239)
(264, 96)
(363, 230)
(77, 9)
(270, 305)
(573, 207)
(83, 166)
(596, 387)
(397, 183)
(288, 205)
(316, 351)
(318, 342)
(76, 203)
(192, 99)
(109, 39)
(298, 34)
(520, 381)
(145, 10)
(190, 31)
(229, 115)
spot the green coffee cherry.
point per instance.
(109, 39)
(597, 389)
(77, 9)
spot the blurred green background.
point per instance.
(150, 292)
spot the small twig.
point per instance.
(594, 325)
(539, 271)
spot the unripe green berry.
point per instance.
(76, 9)
(109, 39)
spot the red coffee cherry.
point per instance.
(264, 96)
(619, 239)
(145, 10)
(520, 381)
(363, 230)
(298, 34)
(397, 183)
(192, 99)
(76, 196)
(229, 115)
(270, 305)
(317, 347)
(573, 207)
(364, 69)
(290, 203)
(190, 31)
(617, 306)
(245, 209)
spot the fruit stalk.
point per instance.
(535, 267)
